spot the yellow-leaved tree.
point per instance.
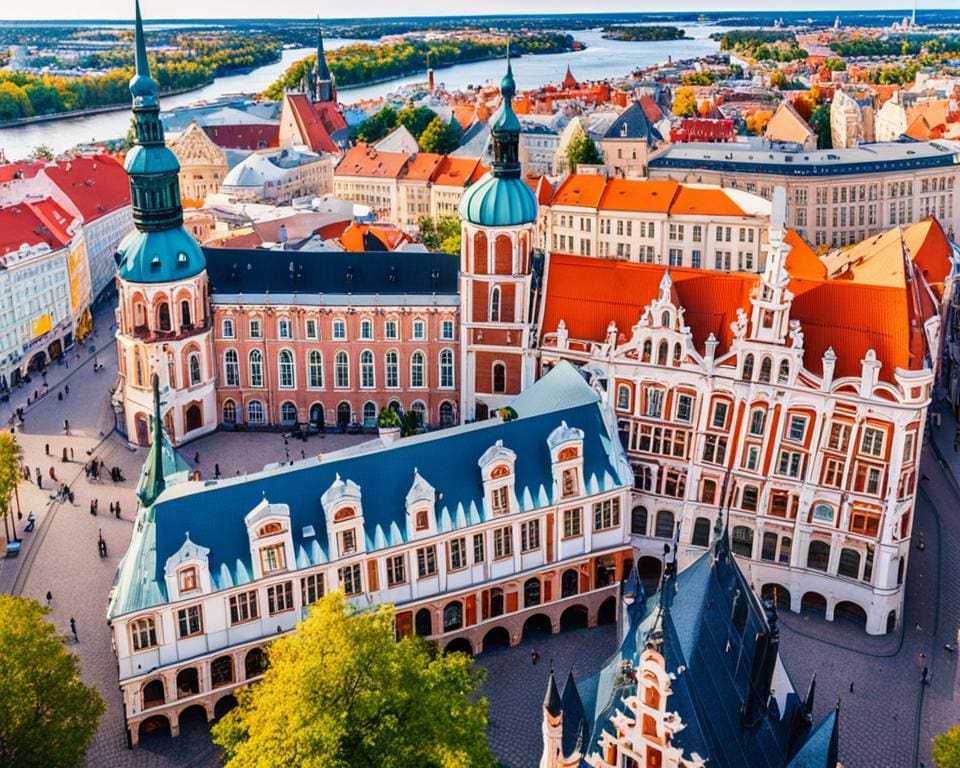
(341, 692)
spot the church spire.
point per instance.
(506, 130)
(152, 482)
(324, 89)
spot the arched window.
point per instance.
(417, 379)
(495, 304)
(677, 353)
(623, 397)
(255, 412)
(341, 370)
(256, 368)
(446, 369)
(344, 413)
(757, 419)
(741, 540)
(849, 565)
(765, 367)
(447, 418)
(153, 694)
(818, 555)
(392, 369)
(229, 411)
(499, 377)
(768, 546)
(783, 376)
(315, 369)
(369, 412)
(647, 351)
(366, 369)
(420, 410)
(143, 633)
(163, 317)
(221, 671)
(288, 413)
(748, 367)
(662, 353)
(452, 616)
(231, 368)
(665, 319)
(701, 532)
(708, 492)
(255, 662)
(638, 521)
(316, 414)
(286, 369)
(185, 313)
(138, 368)
(664, 529)
(569, 583)
(531, 593)
(194, 361)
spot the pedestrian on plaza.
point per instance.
(111, 507)
(49, 598)
(66, 388)
(53, 475)
(73, 628)
(48, 449)
(26, 474)
(66, 426)
(64, 459)
(93, 508)
(70, 495)
(60, 396)
(71, 453)
(534, 656)
(216, 471)
(39, 478)
(116, 508)
(102, 466)
(196, 457)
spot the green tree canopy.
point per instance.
(378, 126)
(685, 102)
(47, 716)
(11, 454)
(342, 693)
(582, 151)
(440, 137)
(416, 119)
(820, 123)
(440, 235)
(946, 748)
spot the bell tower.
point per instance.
(499, 215)
(163, 316)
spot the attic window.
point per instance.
(270, 528)
(155, 262)
(181, 258)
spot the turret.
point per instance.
(325, 88)
(552, 725)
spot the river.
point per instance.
(601, 59)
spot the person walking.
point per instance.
(71, 453)
(116, 510)
(93, 508)
(53, 475)
(66, 426)
(73, 628)
(49, 598)
(64, 458)
(196, 457)
(66, 388)
(39, 478)
(216, 471)
(48, 449)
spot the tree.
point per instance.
(440, 234)
(11, 456)
(378, 126)
(14, 102)
(582, 151)
(47, 716)
(416, 119)
(685, 102)
(440, 137)
(820, 123)
(41, 152)
(946, 748)
(343, 693)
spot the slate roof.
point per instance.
(213, 511)
(706, 622)
(234, 271)
(633, 123)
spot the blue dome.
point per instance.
(160, 257)
(151, 160)
(144, 90)
(499, 202)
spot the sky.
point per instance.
(213, 9)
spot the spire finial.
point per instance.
(142, 65)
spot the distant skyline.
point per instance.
(192, 9)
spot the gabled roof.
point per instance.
(256, 136)
(633, 123)
(33, 223)
(580, 190)
(26, 169)
(398, 140)
(458, 171)
(364, 160)
(802, 261)
(96, 185)
(542, 188)
(213, 511)
(373, 237)
(421, 166)
(787, 125)
(658, 196)
(705, 201)
(317, 121)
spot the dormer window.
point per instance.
(348, 541)
(570, 485)
(272, 558)
(270, 529)
(189, 579)
(500, 500)
(500, 471)
(423, 520)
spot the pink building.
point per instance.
(304, 338)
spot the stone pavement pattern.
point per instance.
(878, 719)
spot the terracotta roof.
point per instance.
(465, 114)
(33, 223)
(588, 293)
(244, 136)
(421, 166)
(802, 260)
(26, 169)
(542, 187)
(581, 191)
(458, 171)
(372, 237)
(317, 122)
(96, 185)
(786, 124)
(650, 108)
(364, 160)
(711, 201)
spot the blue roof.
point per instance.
(213, 512)
(499, 202)
(146, 160)
(160, 256)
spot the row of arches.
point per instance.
(184, 370)
(165, 314)
(255, 413)
(815, 604)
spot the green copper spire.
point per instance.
(164, 251)
(152, 482)
(505, 128)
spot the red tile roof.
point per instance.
(96, 185)
(705, 201)
(421, 166)
(650, 108)
(317, 122)
(588, 293)
(580, 190)
(802, 261)
(364, 160)
(636, 195)
(33, 223)
(458, 171)
(357, 237)
(244, 136)
(25, 169)
(542, 187)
